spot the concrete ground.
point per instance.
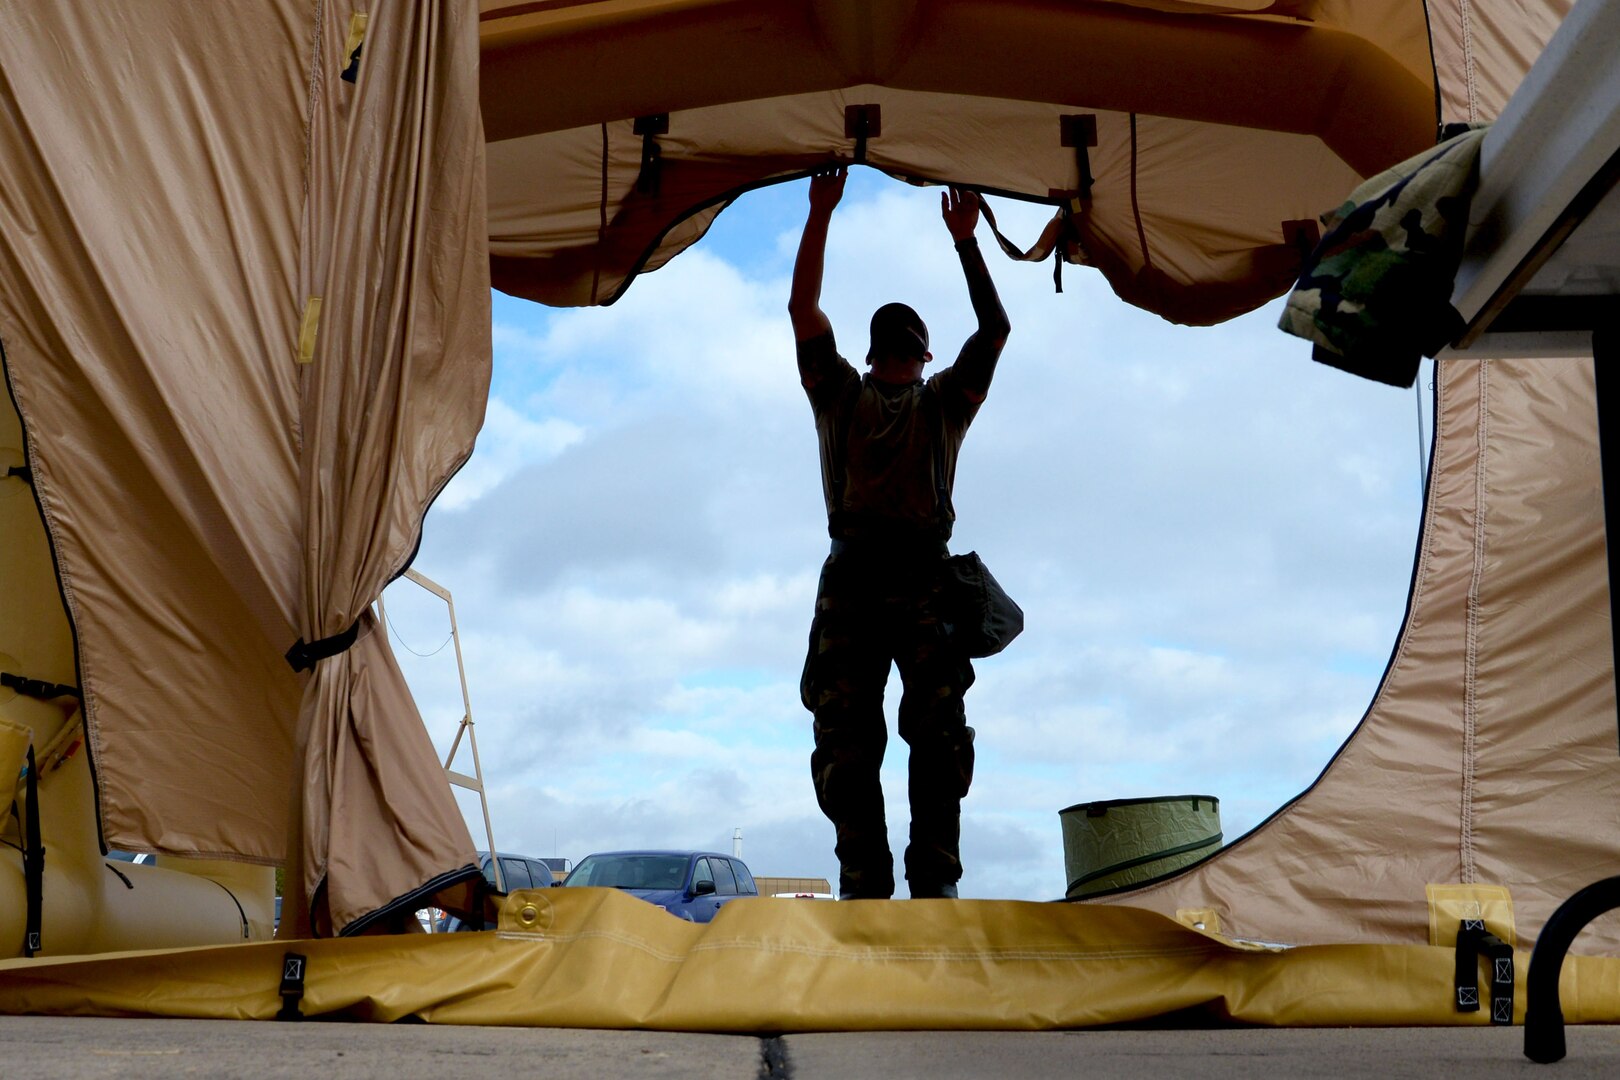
(48, 1047)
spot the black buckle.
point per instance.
(292, 985)
(1474, 941)
(650, 181)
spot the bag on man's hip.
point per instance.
(979, 616)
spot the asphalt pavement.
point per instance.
(52, 1048)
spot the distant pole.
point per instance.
(736, 843)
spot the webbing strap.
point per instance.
(33, 861)
(1474, 941)
(21, 472)
(650, 180)
(303, 655)
(1048, 243)
(36, 688)
(1043, 246)
(293, 966)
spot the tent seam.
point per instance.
(1136, 207)
(1471, 647)
(1465, 9)
(313, 91)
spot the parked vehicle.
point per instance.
(517, 871)
(691, 884)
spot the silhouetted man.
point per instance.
(889, 442)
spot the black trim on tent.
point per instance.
(1605, 353)
(61, 592)
(1434, 70)
(412, 900)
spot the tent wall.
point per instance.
(1489, 754)
(147, 250)
(1482, 49)
(221, 470)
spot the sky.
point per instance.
(1211, 537)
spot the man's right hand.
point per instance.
(826, 188)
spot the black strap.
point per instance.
(36, 688)
(303, 656)
(292, 985)
(862, 122)
(351, 71)
(650, 180)
(21, 472)
(1474, 941)
(33, 861)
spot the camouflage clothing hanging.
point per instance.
(1376, 292)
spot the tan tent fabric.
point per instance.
(392, 397)
(1482, 49)
(1216, 132)
(149, 199)
(1491, 753)
(209, 499)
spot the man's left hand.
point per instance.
(960, 209)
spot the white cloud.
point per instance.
(508, 441)
(1210, 535)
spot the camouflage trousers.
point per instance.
(871, 612)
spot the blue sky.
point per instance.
(1211, 537)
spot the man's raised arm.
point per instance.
(977, 362)
(804, 302)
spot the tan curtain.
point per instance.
(391, 398)
(176, 179)
(149, 202)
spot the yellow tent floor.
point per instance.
(598, 958)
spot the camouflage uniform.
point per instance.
(888, 455)
(872, 608)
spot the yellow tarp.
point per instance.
(599, 958)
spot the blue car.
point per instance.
(691, 884)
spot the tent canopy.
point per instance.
(1189, 145)
(244, 304)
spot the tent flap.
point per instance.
(391, 400)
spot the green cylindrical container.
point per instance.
(1121, 842)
